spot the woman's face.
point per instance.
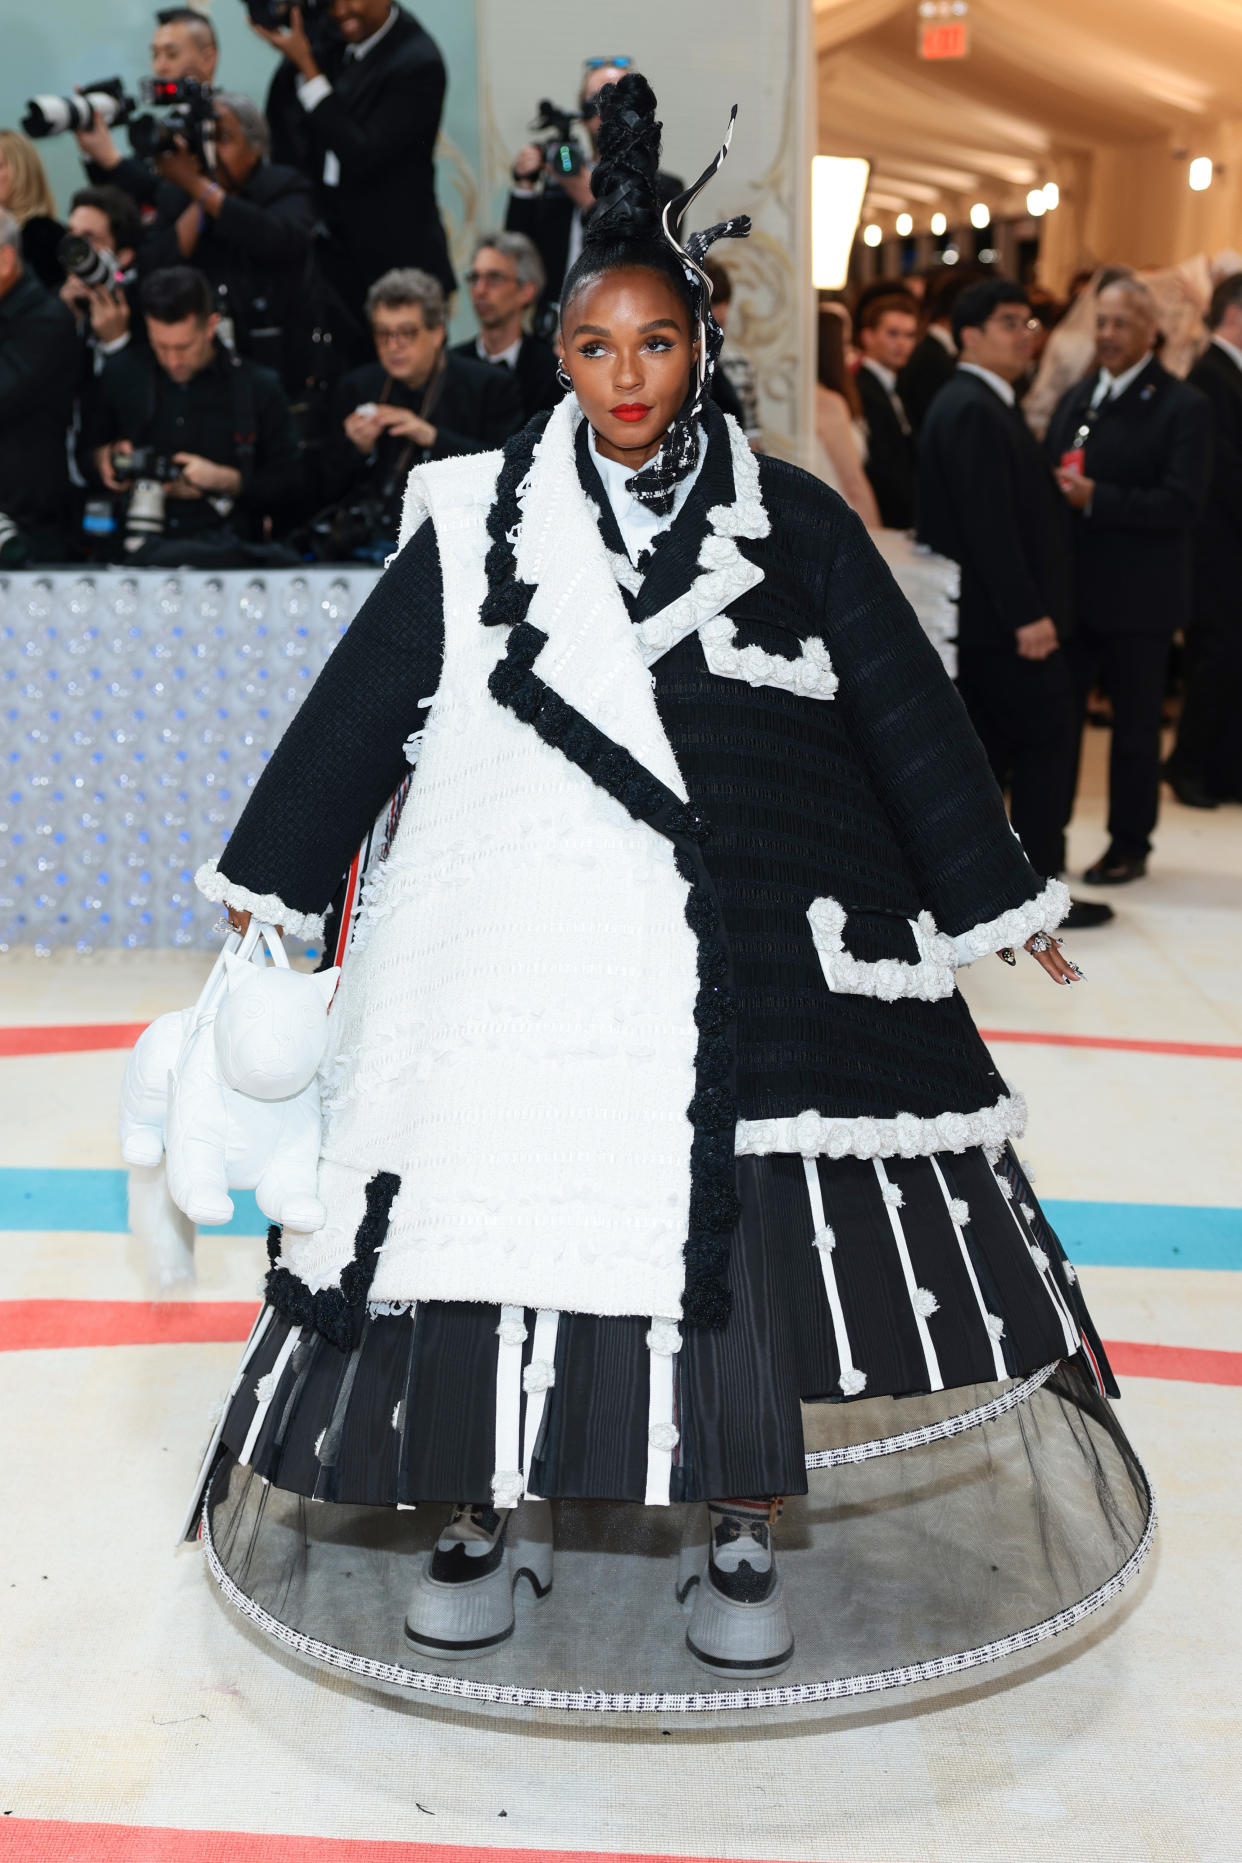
(629, 353)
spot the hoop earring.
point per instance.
(563, 376)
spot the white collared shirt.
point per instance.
(312, 91)
(1231, 350)
(638, 523)
(1110, 387)
(508, 356)
(995, 382)
(887, 378)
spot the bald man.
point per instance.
(1131, 450)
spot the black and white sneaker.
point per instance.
(739, 1625)
(462, 1603)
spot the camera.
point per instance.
(562, 152)
(13, 548)
(189, 118)
(272, 15)
(80, 260)
(144, 519)
(52, 116)
(144, 462)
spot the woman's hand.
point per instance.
(1046, 950)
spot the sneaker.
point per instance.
(739, 1625)
(462, 1603)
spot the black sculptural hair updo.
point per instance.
(624, 227)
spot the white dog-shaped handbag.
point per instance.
(226, 1095)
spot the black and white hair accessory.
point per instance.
(655, 485)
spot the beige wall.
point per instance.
(701, 56)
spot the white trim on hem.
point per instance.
(811, 1135)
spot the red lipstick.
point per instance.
(630, 410)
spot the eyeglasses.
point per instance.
(407, 333)
(590, 109)
(1012, 325)
(491, 278)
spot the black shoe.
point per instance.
(1114, 869)
(1190, 792)
(1084, 913)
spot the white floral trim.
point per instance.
(628, 576)
(265, 907)
(810, 1135)
(726, 573)
(889, 978)
(508, 1488)
(810, 676)
(1043, 913)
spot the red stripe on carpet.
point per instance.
(1207, 1050)
(78, 1037)
(69, 1037)
(41, 1325)
(35, 1840)
(1182, 1364)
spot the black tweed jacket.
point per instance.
(878, 799)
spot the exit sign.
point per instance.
(943, 28)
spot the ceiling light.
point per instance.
(979, 215)
(1199, 174)
(950, 256)
(1036, 203)
(838, 184)
(872, 235)
(905, 225)
(1052, 195)
(939, 224)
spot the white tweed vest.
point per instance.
(514, 1032)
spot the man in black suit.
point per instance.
(247, 226)
(1132, 451)
(183, 45)
(38, 354)
(987, 500)
(887, 328)
(550, 207)
(935, 354)
(359, 111)
(1206, 763)
(418, 402)
(505, 279)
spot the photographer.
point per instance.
(549, 204)
(418, 402)
(36, 388)
(106, 221)
(505, 279)
(247, 227)
(211, 433)
(183, 45)
(362, 104)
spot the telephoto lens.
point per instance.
(81, 260)
(13, 547)
(53, 116)
(144, 519)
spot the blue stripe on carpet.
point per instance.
(1113, 1235)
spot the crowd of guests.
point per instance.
(232, 352)
(1084, 551)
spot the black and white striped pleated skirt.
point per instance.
(851, 1279)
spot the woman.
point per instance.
(27, 194)
(839, 425)
(651, 1087)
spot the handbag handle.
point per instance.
(239, 944)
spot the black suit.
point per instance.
(987, 499)
(379, 124)
(547, 219)
(1149, 453)
(38, 360)
(926, 373)
(534, 372)
(890, 453)
(1209, 737)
